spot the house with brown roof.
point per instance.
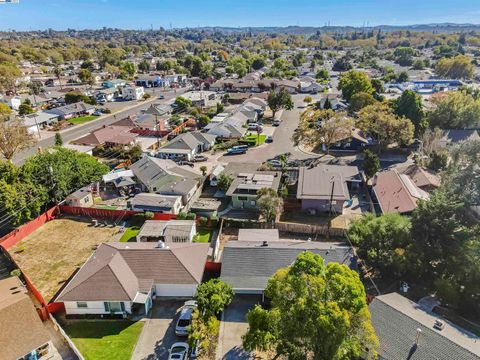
(396, 192)
(425, 179)
(118, 133)
(23, 333)
(124, 278)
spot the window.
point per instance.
(114, 306)
(242, 198)
(178, 239)
(82, 305)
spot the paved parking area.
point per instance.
(234, 325)
(158, 334)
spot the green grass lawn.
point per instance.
(82, 119)
(130, 233)
(106, 339)
(259, 140)
(204, 235)
(106, 207)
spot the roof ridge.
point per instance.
(181, 263)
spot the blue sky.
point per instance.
(142, 14)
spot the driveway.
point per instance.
(234, 325)
(158, 333)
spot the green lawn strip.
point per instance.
(204, 235)
(106, 339)
(106, 207)
(259, 140)
(82, 119)
(130, 234)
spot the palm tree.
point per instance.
(58, 72)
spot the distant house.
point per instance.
(166, 204)
(38, 120)
(24, 336)
(124, 278)
(186, 146)
(168, 231)
(425, 179)
(355, 142)
(247, 265)
(72, 110)
(334, 103)
(13, 102)
(114, 83)
(116, 134)
(325, 186)
(457, 136)
(396, 192)
(106, 95)
(149, 81)
(201, 98)
(133, 93)
(81, 198)
(244, 187)
(406, 330)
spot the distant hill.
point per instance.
(305, 30)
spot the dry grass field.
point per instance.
(51, 254)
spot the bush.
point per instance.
(149, 215)
(203, 221)
(191, 216)
(181, 216)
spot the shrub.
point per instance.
(203, 221)
(149, 215)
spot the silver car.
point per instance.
(185, 318)
(178, 351)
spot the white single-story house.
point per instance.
(124, 278)
(168, 231)
(133, 92)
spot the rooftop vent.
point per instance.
(439, 325)
(417, 338)
(265, 243)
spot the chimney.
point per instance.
(265, 243)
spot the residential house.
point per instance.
(106, 95)
(244, 187)
(395, 192)
(456, 136)
(81, 198)
(247, 265)
(425, 179)
(202, 98)
(149, 81)
(118, 133)
(407, 330)
(124, 278)
(186, 146)
(168, 231)
(133, 93)
(114, 83)
(72, 110)
(24, 336)
(34, 122)
(165, 204)
(334, 103)
(354, 142)
(325, 188)
(13, 102)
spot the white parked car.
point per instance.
(185, 318)
(178, 351)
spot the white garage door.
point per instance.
(175, 290)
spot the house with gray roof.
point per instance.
(124, 278)
(323, 186)
(72, 110)
(407, 331)
(456, 136)
(247, 264)
(165, 204)
(186, 146)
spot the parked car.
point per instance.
(200, 158)
(239, 149)
(269, 139)
(185, 318)
(276, 123)
(187, 163)
(98, 112)
(274, 163)
(178, 351)
(161, 97)
(253, 126)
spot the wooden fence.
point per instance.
(308, 229)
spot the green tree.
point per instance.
(182, 103)
(354, 82)
(25, 108)
(404, 55)
(458, 67)
(438, 160)
(359, 100)
(323, 75)
(203, 121)
(382, 241)
(269, 204)
(409, 104)
(454, 110)
(13, 138)
(224, 181)
(312, 301)
(402, 77)
(212, 297)
(5, 112)
(85, 76)
(384, 126)
(58, 73)
(371, 163)
(258, 62)
(144, 66)
(9, 73)
(58, 139)
(278, 100)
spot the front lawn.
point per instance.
(204, 235)
(106, 339)
(130, 234)
(259, 140)
(82, 119)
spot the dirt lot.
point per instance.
(52, 253)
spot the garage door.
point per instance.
(175, 290)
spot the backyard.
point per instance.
(204, 235)
(51, 254)
(82, 119)
(104, 339)
(130, 234)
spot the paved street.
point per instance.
(83, 129)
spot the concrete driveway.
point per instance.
(233, 326)
(158, 333)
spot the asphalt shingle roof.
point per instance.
(396, 320)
